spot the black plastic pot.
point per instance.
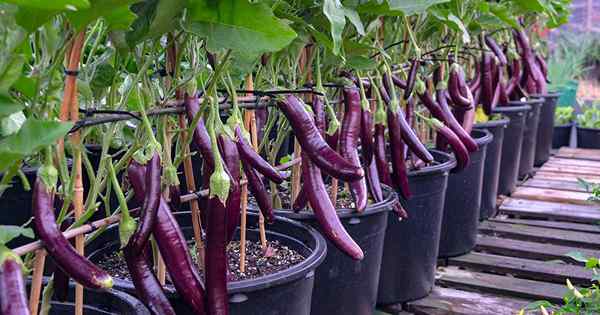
(545, 127)
(491, 168)
(344, 285)
(511, 146)
(284, 292)
(530, 132)
(463, 200)
(588, 138)
(562, 136)
(411, 245)
(97, 302)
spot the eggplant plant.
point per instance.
(157, 84)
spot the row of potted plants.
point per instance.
(258, 157)
(585, 125)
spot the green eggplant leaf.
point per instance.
(72, 5)
(34, 135)
(10, 232)
(238, 25)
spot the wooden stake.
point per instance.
(250, 125)
(190, 183)
(71, 106)
(36, 282)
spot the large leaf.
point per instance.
(53, 4)
(410, 7)
(334, 11)
(238, 25)
(30, 19)
(11, 73)
(460, 26)
(115, 12)
(34, 135)
(8, 106)
(531, 5)
(155, 17)
(9, 232)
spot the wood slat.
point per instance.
(551, 210)
(571, 169)
(540, 234)
(562, 161)
(578, 153)
(530, 250)
(507, 286)
(543, 194)
(553, 184)
(565, 177)
(524, 268)
(580, 227)
(444, 301)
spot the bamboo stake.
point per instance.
(190, 183)
(36, 282)
(71, 105)
(250, 125)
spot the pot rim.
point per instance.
(509, 109)
(385, 205)
(484, 138)
(529, 101)
(571, 124)
(445, 166)
(493, 123)
(588, 129)
(550, 94)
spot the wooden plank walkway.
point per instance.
(525, 253)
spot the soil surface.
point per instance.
(277, 257)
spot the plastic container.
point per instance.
(530, 132)
(343, 285)
(562, 136)
(491, 168)
(545, 127)
(411, 246)
(588, 138)
(285, 292)
(511, 147)
(97, 302)
(463, 200)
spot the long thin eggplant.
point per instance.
(457, 87)
(543, 66)
(491, 44)
(325, 212)
(231, 157)
(412, 77)
(147, 287)
(397, 120)
(460, 151)
(60, 278)
(173, 248)
(76, 266)
(138, 240)
(380, 156)
(399, 82)
(440, 110)
(487, 88)
(351, 129)
(515, 76)
(318, 108)
(216, 258)
(530, 65)
(13, 299)
(373, 181)
(258, 190)
(200, 137)
(313, 144)
(366, 135)
(397, 145)
(254, 159)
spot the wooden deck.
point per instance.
(522, 255)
